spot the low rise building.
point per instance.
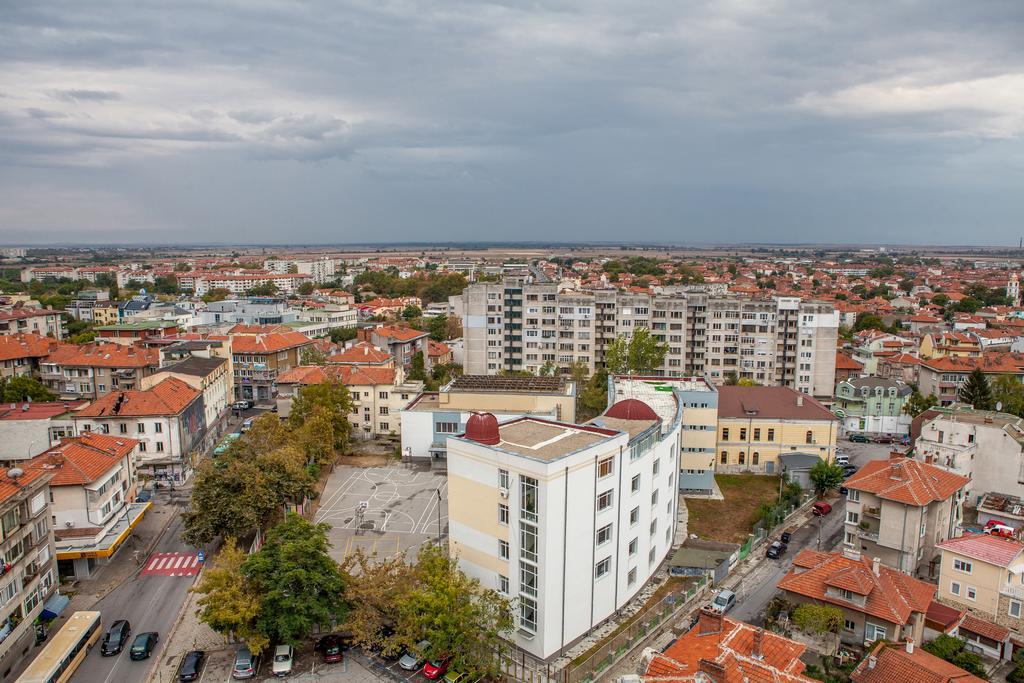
(429, 419)
(92, 498)
(872, 405)
(363, 353)
(900, 510)
(45, 322)
(984, 575)
(581, 516)
(943, 376)
(21, 354)
(259, 357)
(888, 662)
(168, 421)
(877, 602)
(758, 424)
(129, 333)
(212, 377)
(30, 428)
(401, 341)
(92, 370)
(985, 446)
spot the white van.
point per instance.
(842, 459)
(724, 601)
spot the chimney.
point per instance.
(713, 670)
(874, 565)
(872, 660)
(757, 646)
(851, 553)
(910, 646)
(710, 622)
(799, 400)
(896, 471)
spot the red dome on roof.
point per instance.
(483, 428)
(631, 409)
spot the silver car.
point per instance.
(414, 657)
(246, 664)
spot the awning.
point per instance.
(54, 606)
(111, 540)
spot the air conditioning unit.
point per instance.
(503, 492)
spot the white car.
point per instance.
(723, 602)
(842, 459)
(284, 658)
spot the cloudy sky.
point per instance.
(388, 120)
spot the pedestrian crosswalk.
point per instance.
(172, 564)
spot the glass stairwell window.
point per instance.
(528, 499)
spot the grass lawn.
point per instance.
(732, 519)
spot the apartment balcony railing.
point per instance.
(869, 511)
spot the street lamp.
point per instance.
(438, 491)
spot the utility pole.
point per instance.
(438, 491)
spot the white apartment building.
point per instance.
(518, 325)
(570, 521)
(319, 270)
(984, 445)
(287, 283)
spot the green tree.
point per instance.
(216, 294)
(917, 403)
(417, 368)
(1008, 391)
(453, 612)
(306, 288)
(376, 587)
(230, 497)
(182, 268)
(640, 354)
(300, 585)
(818, 618)
(24, 388)
(230, 604)
(438, 327)
(335, 403)
(549, 369)
(825, 476)
(311, 355)
(411, 312)
(616, 356)
(267, 289)
(954, 651)
(340, 335)
(976, 391)
(592, 398)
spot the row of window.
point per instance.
(756, 433)
(140, 428)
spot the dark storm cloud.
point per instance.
(572, 119)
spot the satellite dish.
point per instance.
(15, 473)
(999, 405)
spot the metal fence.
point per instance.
(638, 631)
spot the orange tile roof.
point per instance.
(262, 344)
(105, 355)
(731, 649)
(985, 547)
(349, 375)
(9, 487)
(890, 662)
(169, 397)
(845, 362)
(242, 328)
(891, 595)
(984, 628)
(25, 346)
(82, 459)
(399, 332)
(41, 410)
(906, 481)
(363, 353)
(437, 349)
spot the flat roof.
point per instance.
(545, 440)
(657, 392)
(108, 544)
(632, 427)
(140, 325)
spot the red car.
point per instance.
(331, 647)
(821, 508)
(436, 668)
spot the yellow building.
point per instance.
(758, 424)
(949, 343)
(105, 313)
(985, 575)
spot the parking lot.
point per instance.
(307, 667)
(383, 510)
(861, 453)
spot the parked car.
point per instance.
(436, 668)
(994, 528)
(842, 460)
(821, 508)
(284, 660)
(413, 657)
(454, 676)
(142, 646)
(849, 471)
(786, 537)
(116, 638)
(859, 438)
(191, 665)
(247, 425)
(331, 647)
(843, 490)
(246, 664)
(884, 438)
(776, 550)
(724, 601)
(244, 404)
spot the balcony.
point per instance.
(1016, 592)
(871, 511)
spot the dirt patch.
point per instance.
(732, 519)
(366, 460)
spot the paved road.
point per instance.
(150, 603)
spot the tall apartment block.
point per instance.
(568, 520)
(520, 325)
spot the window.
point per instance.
(755, 458)
(853, 496)
(385, 425)
(656, 467)
(845, 594)
(502, 513)
(650, 556)
(448, 428)
(954, 588)
(602, 567)
(158, 427)
(725, 433)
(972, 593)
(848, 625)
(654, 526)
(725, 458)
(604, 534)
(757, 433)
(502, 478)
(604, 500)
(528, 498)
(962, 566)
(502, 584)
(852, 517)
(141, 427)
(605, 468)
(528, 542)
(743, 458)
(809, 437)
(771, 435)
(743, 433)
(503, 549)
(1014, 609)
(142, 446)
(159, 446)
(383, 410)
(104, 428)
(383, 395)
(631, 577)
(873, 633)
(633, 546)
(527, 579)
(123, 428)
(634, 516)
(654, 497)
(527, 614)
(634, 483)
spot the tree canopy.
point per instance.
(24, 388)
(639, 354)
(976, 391)
(825, 476)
